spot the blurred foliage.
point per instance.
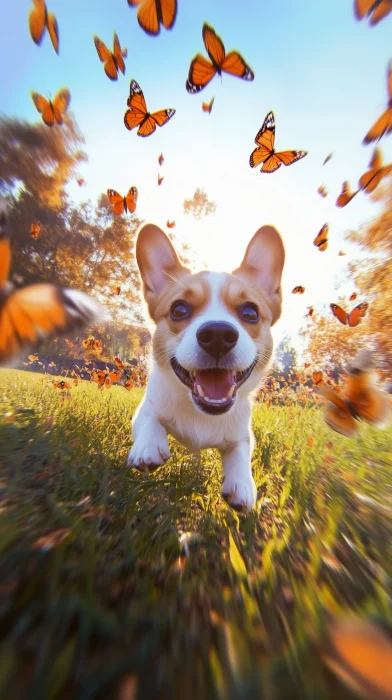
(199, 205)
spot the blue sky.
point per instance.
(320, 71)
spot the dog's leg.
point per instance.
(238, 488)
(150, 448)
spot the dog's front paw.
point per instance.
(239, 492)
(147, 454)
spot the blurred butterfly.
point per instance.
(161, 160)
(113, 62)
(322, 191)
(137, 114)
(265, 153)
(160, 179)
(321, 240)
(121, 204)
(92, 344)
(353, 318)
(128, 383)
(201, 70)
(38, 20)
(35, 229)
(62, 385)
(383, 125)
(307, 364)
(30, 314)
(329, 156)
(153, 13)
(170, 224)
(117, 291)
(341, 253)
(298, 290)
(52, 110)
(310, 311)
(207, 106)
(119, 363)
(318, 378)
(33, 358)
(353, 296)
(375, 9)
(70, 345)
(81, 182)
(372, 178)
(346, 195)
(359, 401)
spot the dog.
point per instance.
(211, 346)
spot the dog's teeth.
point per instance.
(231, 392)
(207, 398)
(200, 391)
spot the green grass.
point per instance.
(117, 605)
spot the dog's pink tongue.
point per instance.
(215, 383)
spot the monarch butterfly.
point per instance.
(346, 195)
(353, 318)
(298, 290)
(119, 363)
(35, 229)
(372, 178)
(161, 160)
(92, 344)
(383, 125)
(265, 153)
(61, 385)
(375, 9)
(321, 240)
(307, 364)
(153, 13)
(310, 311)
(353, 296)
(317, 378)
(52, 110)
(359, 401)
(38, 20)
(341, 253)
(207, 106)
(201, 70)
(160, 179)
(81, 181)
(118, 291)
(329, 156)
(322, 191)
(37, 311)
(112, 62)
(33, 358)
(170, 224)
(137, 114)
(121, 204)
(128, 383)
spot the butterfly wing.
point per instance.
(321, 240)
(290, 157)
(346, 195)
(44, 107)
(163, 116)
(161, 159)
(117, 202)
(137, 112)
(60, 104)
(153, 13)
(235, 65)
(37, 21)
(265, 140)
(337, 413)
(318, 378)
(356, 315)
(131, 199)
(207, 106)
(380, 11)
(201, 71)
(383, 125)
(119, 54)
(362, 8)
(107, 58)
(53, 29)
(339, 313)
(30, 314)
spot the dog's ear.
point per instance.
(157, 261)
(263, 262)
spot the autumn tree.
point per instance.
(286, 356)
(199, 205)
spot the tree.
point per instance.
(199, 205)
(286, 355)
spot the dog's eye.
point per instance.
(180, 310)
(249, 312)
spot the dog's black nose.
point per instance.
(217, 337)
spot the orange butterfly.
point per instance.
(153, 13)
(345, 196)
(32, 313)
(375, 9)
(118, 291)
(372, 178)
(119, 363)
(113, 62)
(383, 125)
(341, 253)
(353, 318)
(81, 181)
(170, 224)
(207, 106)
(307, 364)
(61, 385)
(38, 20)
(201, 70)
(321, 240)
(322, 191)
(129, 383)
(52, 111)
(121, 204)
(310, 311)
(137, 114)
(265, 152)
(318, 378)
(298, 290)
(329, 156)
(35, 229)
(92, 344)
(160, 179)
(360, 399)
(33, 358)
(161, 160)
(353, 296)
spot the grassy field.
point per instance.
(114, 603)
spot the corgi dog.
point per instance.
(211, 346)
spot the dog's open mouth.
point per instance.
(213, 390)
